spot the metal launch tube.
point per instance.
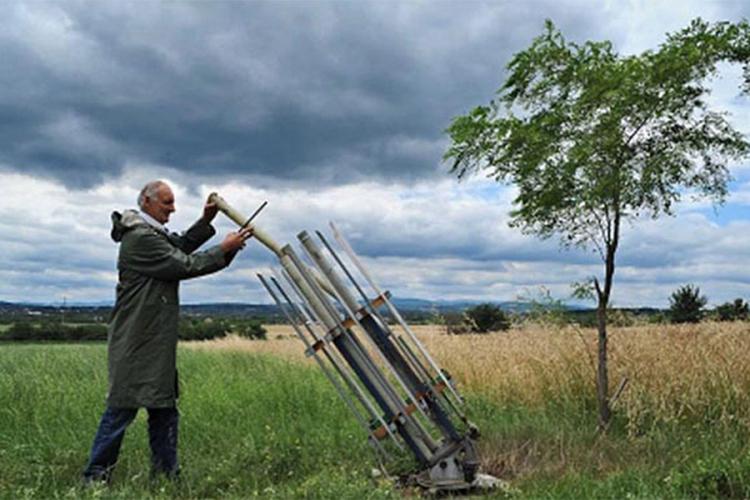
(415, 436)
(335, 360)
(342, 393)
(317, 305)
(399, 341)
(391, 308)
(405, 378)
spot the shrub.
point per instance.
(455, 323)
(193, 328)
(487, 318)
(686, 304)
(713, 477)
(733, 311)
(659, 318)
(250, 329)
(198, 328)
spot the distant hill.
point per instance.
(231, 309)
(460, 305)
(406, 305)
(412, 310)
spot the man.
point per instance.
(142, 337)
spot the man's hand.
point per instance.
(209, 211)
(236, 241)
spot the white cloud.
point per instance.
(147, 86)
(438, 241)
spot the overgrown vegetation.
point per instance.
(210, 328)
(454, 323)
(483, 318)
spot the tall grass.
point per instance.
(259, 419)
(680, 425)
(674, 373)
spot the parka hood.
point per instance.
(122, 223)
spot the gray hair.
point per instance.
(149, 191)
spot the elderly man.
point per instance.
(142, 340)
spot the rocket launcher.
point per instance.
(409, 408)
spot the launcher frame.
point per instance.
(403, 400)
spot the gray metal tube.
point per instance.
(409, 357)
(363, 359)
(394, 312)
(327, 270)
(317, 306)
(351, 306)
(339, 388)
(376, 378)
(334, 358)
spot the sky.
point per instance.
(330, 111)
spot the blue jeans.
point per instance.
(162, 433)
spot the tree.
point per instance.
(591, 138)
(487, 318)
(686, 305)
(739, 310)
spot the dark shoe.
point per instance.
(96, 480)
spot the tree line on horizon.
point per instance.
(190, 328)
(686, 305)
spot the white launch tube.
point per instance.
(240, 219)
(260, 235)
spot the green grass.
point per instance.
(250, 426)
(554, 452)
(4, 327)
(260, 426)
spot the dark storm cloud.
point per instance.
(314, 92)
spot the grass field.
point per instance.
(258, 419)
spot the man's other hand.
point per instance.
(209, 211)
(236, 241)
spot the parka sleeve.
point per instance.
(151, 254)
(195, 236)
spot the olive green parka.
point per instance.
(142, 336)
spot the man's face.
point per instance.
(161, 205)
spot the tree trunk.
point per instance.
(602, 374)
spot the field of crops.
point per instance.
(259, 419)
